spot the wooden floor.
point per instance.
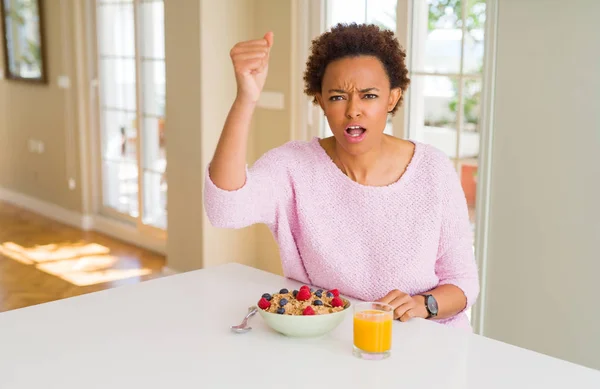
(42, 260)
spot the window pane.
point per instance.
(469, 137)
(474, 38)
(115, 32)
(120, 186)
(433, 105)
(155, 199)
(154, 87)
(119, 136)
(440, 99)
(382, 13)
(153, 30)
(152, 51)
(437, 36)
(154, 145)
(346, 11)
(117, 89)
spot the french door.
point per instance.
(130, 61)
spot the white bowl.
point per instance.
(305, 326)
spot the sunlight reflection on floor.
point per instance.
(15, 255)
(55, 252)
(78, 263)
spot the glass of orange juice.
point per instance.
(373, 330)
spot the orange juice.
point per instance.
(373, 331)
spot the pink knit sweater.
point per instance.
(332, 232)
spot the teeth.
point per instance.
(354, 127)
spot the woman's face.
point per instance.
(356, 99)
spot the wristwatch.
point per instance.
(431, 305)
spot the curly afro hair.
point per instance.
(352, 40)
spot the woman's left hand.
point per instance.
(405, 306)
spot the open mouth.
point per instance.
(355, 131)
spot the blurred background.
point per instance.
(110, 111)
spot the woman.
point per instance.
(377, 217)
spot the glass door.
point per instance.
(131, 69)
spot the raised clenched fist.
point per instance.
(251, 63)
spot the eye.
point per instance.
(371, 96)
(336, 98)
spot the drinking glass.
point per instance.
(373, 330)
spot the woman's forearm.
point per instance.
(450, 298)
(228, 166)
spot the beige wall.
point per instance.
(184, 159)
(45, 113)
(545, 202)
(200, 90)
(272, 127)
(223, 24)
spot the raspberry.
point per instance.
(304, 294)
(335, 292)
(337, 302)
(308, 311)
(263, 303)
(305, 287)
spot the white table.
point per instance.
(174, 333)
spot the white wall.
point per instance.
(544, 260)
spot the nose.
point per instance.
(353, 109)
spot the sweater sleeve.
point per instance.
(255, 202)
(456, 260)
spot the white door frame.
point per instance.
(483, 194)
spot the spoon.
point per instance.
(243, 327)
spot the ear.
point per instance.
(395, 95)
(319, 98)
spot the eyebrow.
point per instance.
(361, 91)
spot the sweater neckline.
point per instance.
(337, 173)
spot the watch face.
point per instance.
(432, 305)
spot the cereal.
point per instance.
(286, 302)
